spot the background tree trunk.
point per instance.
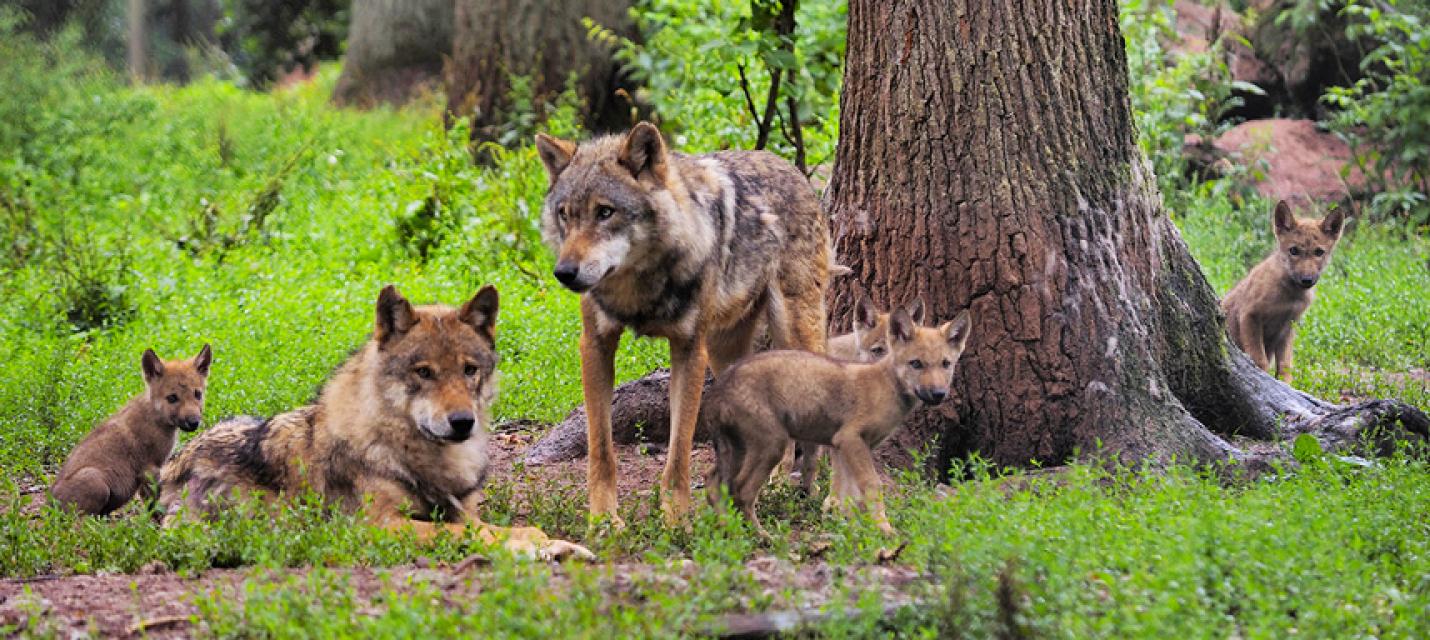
(546, 42)
(137, 19)
(394, 47)
(987, 159)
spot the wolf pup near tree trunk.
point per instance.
(762, 403)
(402, 423)
(122, 455)
(1262, 310)
(695, 249)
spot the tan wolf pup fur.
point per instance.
(403, 423)
(1262, 310)
(122, 455)
(869, 340)
(696, 249)
(759, 405)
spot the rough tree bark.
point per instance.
(394, 47)
(987, 160)
(545, 41)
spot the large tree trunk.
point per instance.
(394, 48)
(987, 160)
(496, 40)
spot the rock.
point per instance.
(1198, 26)
(1308, 59)
(1296, 160)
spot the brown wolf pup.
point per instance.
(403, 423)
(122, 455)
(1262, 310)
(869, 340)
(759, 405)
(693, 249)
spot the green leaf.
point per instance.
(1306, 448)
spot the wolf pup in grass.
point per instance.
(1262, 310)
(696, 249)
(122, 455)
(759, 405)
(402, 423)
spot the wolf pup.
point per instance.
(695, 249)
(1262, 309)
(869, 340)
(122, 455)
(403, 423)
(768, 399)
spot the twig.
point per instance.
(153, 624)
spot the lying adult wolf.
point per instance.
(402, 423)
(696, 249)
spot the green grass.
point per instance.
(104, 204)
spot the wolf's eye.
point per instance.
(604, 212)
(561, 213)
(946, 363)
(917, 364)
(173, 398)
(878, 351)
(423, 372)
(1319, 252)
(1295, 251)
(470, 370)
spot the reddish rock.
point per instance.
(1294, 159)
(1199, 25)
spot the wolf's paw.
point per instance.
(561, 550)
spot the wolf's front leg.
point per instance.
(859, 462)
(687, 383)
(598, 375)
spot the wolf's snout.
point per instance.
(191, 423)
(461, 423)
(1307, 282)
(932, 396)
(567, 273)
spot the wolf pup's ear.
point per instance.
(481, 312)
(555, 154)
(1282, 219)
(152, 366)
(916, 310)
(395, 315)
(956, 331)
(1332, 223)
(644, 151)
(901, 326)
(202, 361)
(866, 315)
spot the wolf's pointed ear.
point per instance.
(866, 315)
(555, 154)
(901, 326)
(1331, 225)
(644, 151)
(1282, 220)
(202, 361)
(152, 366)
(395, 315)
(956, 330)
(916, 310)
(481, 312)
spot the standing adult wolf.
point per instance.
(695, 249)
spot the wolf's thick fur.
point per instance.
(762, 403)
(1262, 310)
(403, 422)
(693, 249)
(122, 455)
